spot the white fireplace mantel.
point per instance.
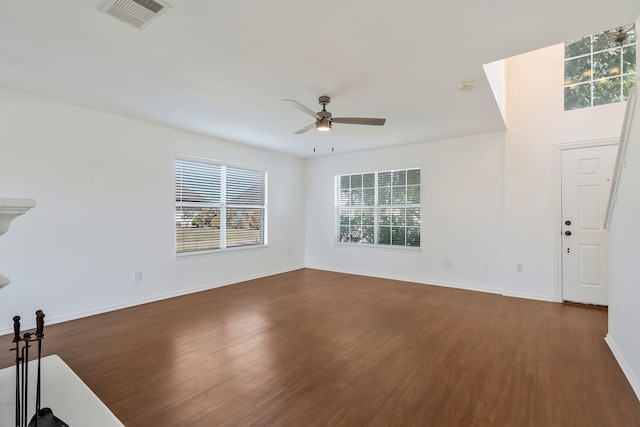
(10, 209)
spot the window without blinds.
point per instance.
(600, 69)
(219, 206)
(379, 208)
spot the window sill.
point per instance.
(216, 252)
(389, 248)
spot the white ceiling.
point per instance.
(221, 68)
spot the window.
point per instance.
(379, 208)
(598, 69)
(219, 206)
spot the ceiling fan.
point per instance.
(620, 34)
(608, 39)
(324, 119)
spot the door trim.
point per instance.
(557, 202)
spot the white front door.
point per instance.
(586, 182)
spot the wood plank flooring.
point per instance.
(314, 348)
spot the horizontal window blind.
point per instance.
(219, 206)
(198, 182)
(245, 187)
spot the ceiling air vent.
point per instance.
(139, 13)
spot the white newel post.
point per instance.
(9, 209)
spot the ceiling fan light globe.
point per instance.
(323, 125)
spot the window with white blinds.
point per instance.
(379, 208)
(219, 206)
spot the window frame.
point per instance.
(594, 50)
(377, 208)
(222, 206)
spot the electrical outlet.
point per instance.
(137, 276)
(489, 268)
(519, 268)
(449, 264)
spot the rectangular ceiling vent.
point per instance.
(139, 13)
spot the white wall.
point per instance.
(487, 199)
(536, 122)
(462, 205)
(496, 75)
(104, 186)
(624, 250)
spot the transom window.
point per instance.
(219, 206)
(600, 69)
(379, 208)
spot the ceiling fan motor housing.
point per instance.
(324, 100)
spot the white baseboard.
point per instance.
(529, 296)
(443, 284)
(106, 309)
(100, 310)
(413, 280)
(633, 380)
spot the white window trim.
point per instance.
(375, 245)
(593, 81)
(223, 209)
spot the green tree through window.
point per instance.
(599, 69)
(379, 208)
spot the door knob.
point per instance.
(567, 233)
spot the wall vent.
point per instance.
(139, 13)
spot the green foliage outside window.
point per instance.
(380, 208)
(598, 70)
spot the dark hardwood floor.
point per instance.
(313, 348)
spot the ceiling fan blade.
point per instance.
(305, 129)
(359, 121)
(303, 108)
